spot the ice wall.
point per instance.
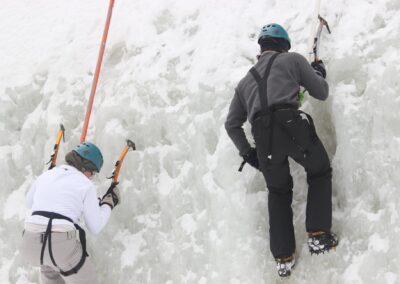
(187, 215)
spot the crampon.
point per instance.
(285, 265)
(321, 242)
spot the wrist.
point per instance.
(248, 152)
(107, 203)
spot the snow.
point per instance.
(170, 68)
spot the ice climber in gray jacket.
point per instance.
(268, 97)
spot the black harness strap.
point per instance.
(263, 96)
(266, 110)
(255, 74)
(262, 84)
(47, 236)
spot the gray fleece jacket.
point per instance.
(289, 71)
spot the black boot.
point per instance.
(320, 242)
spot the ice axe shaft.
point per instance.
(322, 23)
(118, 164)
(53, 157)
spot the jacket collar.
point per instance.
(69, 168)
(264, 53)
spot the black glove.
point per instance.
(319, 68)
(251, 158)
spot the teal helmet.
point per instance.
(90, 152)
(274, 31)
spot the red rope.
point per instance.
(97, 72)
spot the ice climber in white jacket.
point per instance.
(58, 198)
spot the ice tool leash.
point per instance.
(53, 157)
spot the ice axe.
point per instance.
(53, 157)
(118, 165)
(322, 23)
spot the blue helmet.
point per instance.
(90, 152)
(275, 31)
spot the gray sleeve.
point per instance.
(237, 116)
(314, 84)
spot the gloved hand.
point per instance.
(112, 198)
(251, 158)
(319, 68)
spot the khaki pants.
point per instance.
(67, 252)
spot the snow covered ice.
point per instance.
(170, 68)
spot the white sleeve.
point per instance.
(29, 196)
(96, 217)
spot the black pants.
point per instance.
(291, 133)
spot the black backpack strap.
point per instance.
(47, 236)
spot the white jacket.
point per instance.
(67, 191)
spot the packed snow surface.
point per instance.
(169, 73)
